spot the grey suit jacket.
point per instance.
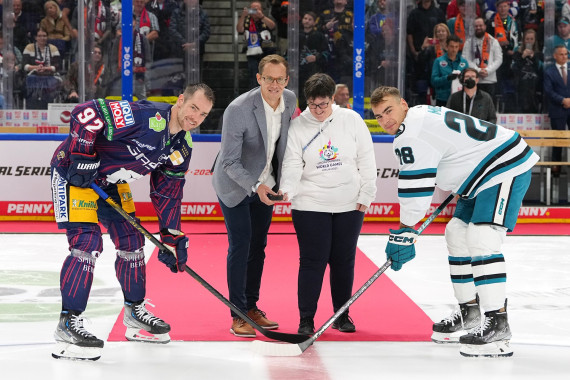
(243, 154)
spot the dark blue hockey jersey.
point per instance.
(131, 140)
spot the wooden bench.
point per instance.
(547, 138)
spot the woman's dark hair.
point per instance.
(319, 86)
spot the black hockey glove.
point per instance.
(175, 239)
(83, 169)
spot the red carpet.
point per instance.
(382, 313)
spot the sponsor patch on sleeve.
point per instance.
(176, 158)
(122, 114)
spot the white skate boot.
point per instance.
(138, 319)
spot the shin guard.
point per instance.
(488, 263)
(76, 278)
(459, 261)
(130, 269)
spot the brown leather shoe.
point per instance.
(242, 329)
(258, 317)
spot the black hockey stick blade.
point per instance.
(280, 349)
(284, 337)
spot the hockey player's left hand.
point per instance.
(179, 242)
(400, 248)
(82, 169)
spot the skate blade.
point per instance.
(70, 351)
(443, 338)
(489, 350)
(139, 335)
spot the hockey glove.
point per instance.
(83, 169)
(400, 248)
(175, 239)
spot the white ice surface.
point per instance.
(538, 270)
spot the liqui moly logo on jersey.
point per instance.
(122, 114)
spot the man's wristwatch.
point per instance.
(255, 187)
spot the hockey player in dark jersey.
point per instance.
(113, 143)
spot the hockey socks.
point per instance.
(76, 278)
(130, 269)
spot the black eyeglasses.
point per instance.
(321, 105)
(270, 80)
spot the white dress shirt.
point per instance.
(273, 119)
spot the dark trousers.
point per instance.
(559, 124)
(247, 225)
(325, 238)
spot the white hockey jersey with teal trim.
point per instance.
(437, 146)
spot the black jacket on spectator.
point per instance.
(178, 30)
(483, 108)
(162, 44)
(25, 29)
(421, 23)
(528, 80)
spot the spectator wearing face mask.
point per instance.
(471, 100)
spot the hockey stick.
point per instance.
(284, 337)
(279, 349)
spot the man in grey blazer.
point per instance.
(247, 170)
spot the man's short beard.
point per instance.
(479, 35)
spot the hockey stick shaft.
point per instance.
(288, 350)
(284, 337)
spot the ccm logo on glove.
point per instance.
(404, 239)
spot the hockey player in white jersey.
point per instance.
(489, 168)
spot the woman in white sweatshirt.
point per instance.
(329, 175)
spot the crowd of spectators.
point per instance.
(509, 50)
(509, 38)
(45, 40)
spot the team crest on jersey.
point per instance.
(60, 155)
(157, 123)
(328, 152)
(176, 158)
(122, 114)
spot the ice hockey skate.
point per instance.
(73, 341)
(457, 324)
(490, 339)
(143, 326)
